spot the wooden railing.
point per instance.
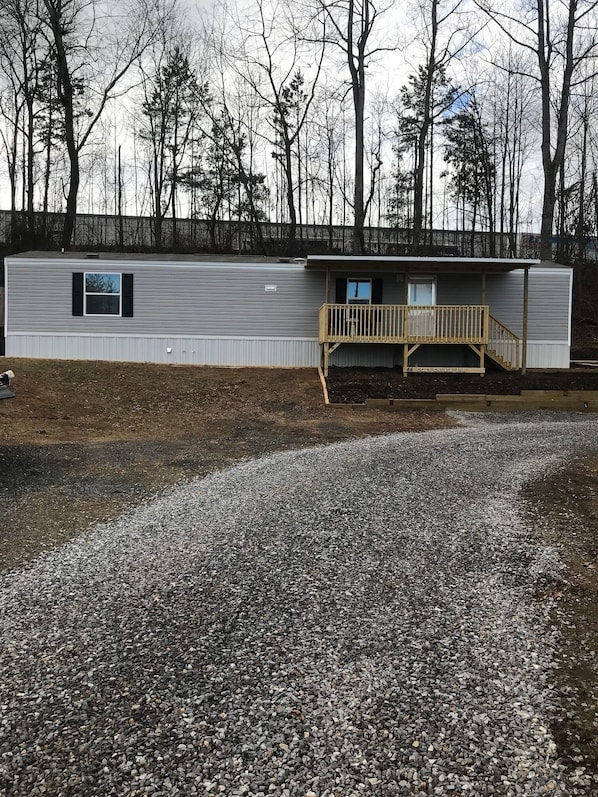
(504, 344)
(398, 323)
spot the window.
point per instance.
(359, 291)
(103, 294)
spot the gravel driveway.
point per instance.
(346, 620)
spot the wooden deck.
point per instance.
(414, 325)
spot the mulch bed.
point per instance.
(356, 385)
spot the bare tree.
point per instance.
(351, 26)
(514, 111)
(281, 70)
(21, 50)
(11, 108)
(562, 38)
(104, 48)
(446, 32)
(329, 138)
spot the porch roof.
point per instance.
(422, 265)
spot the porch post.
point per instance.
(484, 323)
(405, 322)
(525, 315)
(328, 286)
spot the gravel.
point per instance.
(353, 619)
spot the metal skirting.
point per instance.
(548, 354)
(176, 350)
(282, 352)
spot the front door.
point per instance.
(421, 297)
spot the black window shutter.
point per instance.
(377, 291)
(78, 293)
(341, 290)
(127, 296)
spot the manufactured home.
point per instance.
(419, 314)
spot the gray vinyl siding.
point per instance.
(170, 300)
(220, 314)
(459, 289)
(549, 298)
(549, 303)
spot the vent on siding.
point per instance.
(93, 255)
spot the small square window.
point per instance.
(359, 291)
(102, 293)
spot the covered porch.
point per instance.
(364, 318)
(412, 326)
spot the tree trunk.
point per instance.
(582, 184)
(330, 165)
(548, 203)
(30, 169)
(551, 163)
(65, 95)
(288, 176)
(358, 201)
(11, 156)
(418, 188)
(48, 167)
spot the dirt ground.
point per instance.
(355, 385)
(569, 500)
(83, 440)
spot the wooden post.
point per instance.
(484, 321)
(405, 321)
(327, 286)
(525, 314)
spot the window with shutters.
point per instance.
(102, 294)
(359, 291)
